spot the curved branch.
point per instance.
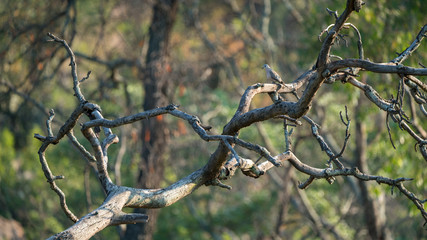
(418, 83)
(390, 108)
(322, 59)
(51, 180)
(327, 173)
(159, 198)
(73, 65)
(376, 67)
(359, 36)
(324, 146)
(414, 45)
(101, 159)
(118, 197)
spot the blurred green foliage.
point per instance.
(115, 29)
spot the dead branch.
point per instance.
(220, 165)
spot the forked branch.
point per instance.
(223, 163)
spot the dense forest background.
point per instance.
(216, 49)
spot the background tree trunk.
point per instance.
(154, 135)
(374, 214)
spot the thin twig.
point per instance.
(73, 65)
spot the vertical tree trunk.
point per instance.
(154, 135)
(374, 216)
(285, 198)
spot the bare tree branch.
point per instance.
(415, 44)
(376, 67)
(223, 163)
(73, 65)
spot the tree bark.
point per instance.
(154, 135)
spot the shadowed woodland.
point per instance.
(156, 120)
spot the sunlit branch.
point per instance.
(73, 65)
(376, 67)
(414, 45)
